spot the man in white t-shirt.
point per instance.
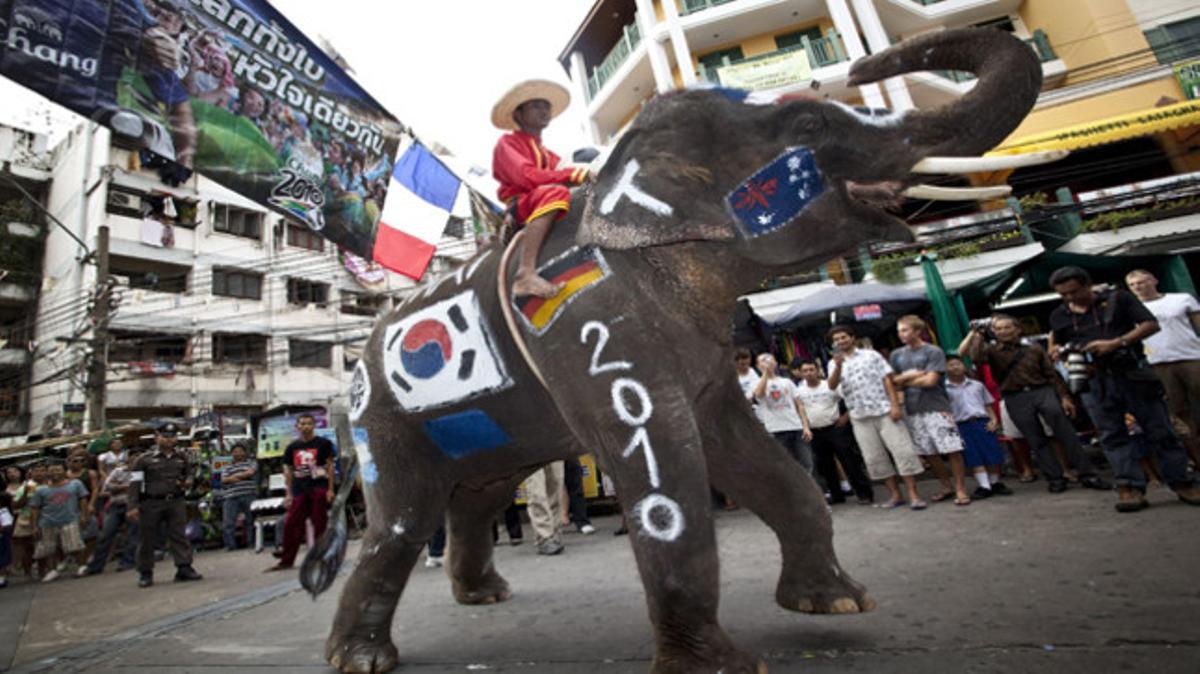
(832, 441)
(1174, 351)
(746, 375)
(780, 410)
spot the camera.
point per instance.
(983, 326)
(1079, 367)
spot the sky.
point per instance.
(437, 66)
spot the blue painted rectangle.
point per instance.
(777, 193)
(465, 433)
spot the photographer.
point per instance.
(1031, 388)
(1109, 327)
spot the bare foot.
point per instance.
(525, 286)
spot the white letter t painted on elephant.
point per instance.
(626, 188)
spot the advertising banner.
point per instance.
(276, 433)
(1188, 75)
(770, 72)
(228, 88)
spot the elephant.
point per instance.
(462, 394)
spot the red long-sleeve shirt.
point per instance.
(520, 163)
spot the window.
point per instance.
(237, 283)
(358, 304)
(723, 57)
(1176, 41)
(300, 291)
(128, 347)
(239, 349)
(304, 353)
(150, 274)
(303, 237)
(796, 38)
(237, 221)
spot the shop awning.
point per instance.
(1109, 130)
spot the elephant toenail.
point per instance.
(844, 605)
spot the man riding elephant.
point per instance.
(462, 394)
(528, 173)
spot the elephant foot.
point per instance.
(705, 650)
(836, 593)
(352, 653)
(490, 589)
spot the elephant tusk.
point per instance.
(977, 164)
(936, 193)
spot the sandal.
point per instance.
(962, 501)
(891, 504)
(919, 505)
(942, 496)
(1027, 478)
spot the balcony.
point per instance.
(693, 6)
(1040, 43)
(631, 36)
(821, 53)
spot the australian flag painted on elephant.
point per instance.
(777, 193)
(442, 354)
(229, 88)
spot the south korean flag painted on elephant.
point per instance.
(442, 354)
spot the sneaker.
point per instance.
(85, 571)
(146, 580)
(517, 540)
(550, 547)
(50, 577)
(3, 582)
(1001, 489)
(587, 529)
(1189, 495)
(981, 493)
(433, 562)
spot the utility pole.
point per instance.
(98, 367)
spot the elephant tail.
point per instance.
(324, 559)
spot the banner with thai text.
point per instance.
(228, 88)
(770, 72)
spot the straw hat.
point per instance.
(502, 111)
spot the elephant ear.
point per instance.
(650, 194)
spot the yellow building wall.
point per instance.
(1091, 33)
(659, 14)
(1121, 101)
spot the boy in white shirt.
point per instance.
(782, 412)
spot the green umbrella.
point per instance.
(949, 316)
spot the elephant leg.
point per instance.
(473, 508)
(401, 522)
(746, 463)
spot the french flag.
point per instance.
(420, 199)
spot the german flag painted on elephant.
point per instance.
(579, 269)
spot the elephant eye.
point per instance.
(807, 124)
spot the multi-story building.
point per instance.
(24, 181)
(216, 303)
(1120, 78)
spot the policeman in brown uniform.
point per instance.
(160, 478)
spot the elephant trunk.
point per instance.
(1010, 77)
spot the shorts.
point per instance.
(980, 446)
(934, 433)
(1009, 429)
(542, 200)
(67, 537)
(884, 442)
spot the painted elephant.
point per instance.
(703, 197)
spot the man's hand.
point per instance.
(992, 426)
(807, 435)
(842, 421)
(895, 412)
(329, 495)
(839, 358)
(287, 501)
(132, 514)
(1068, 406)
(1102, 347)
(1055, 352)
(162, 48)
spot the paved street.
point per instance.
(1033, 583)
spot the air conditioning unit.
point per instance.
(124, 200)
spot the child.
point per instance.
(977, 423)
(58, 511)
(6, 529)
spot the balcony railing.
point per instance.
(822, 52)
(693, 6)
(1039, 43)
(630, 38)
